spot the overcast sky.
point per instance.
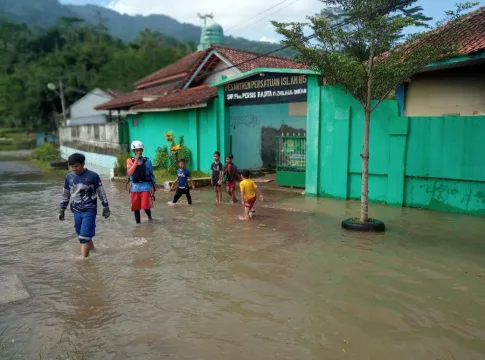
(249, 19)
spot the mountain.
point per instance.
(42, 13)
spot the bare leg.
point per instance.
(85, 249)
(246, 214)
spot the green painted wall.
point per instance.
(428, 162)
(200, 128)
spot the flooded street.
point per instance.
(197, 283)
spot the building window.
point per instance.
(135, 121)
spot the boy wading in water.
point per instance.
(182, 184)
(248, 194)
(216, 179)
(142, 182)
(82, 187)
(230, 176)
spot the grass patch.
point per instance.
(16, 139)
(166, 175)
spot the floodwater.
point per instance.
(197, 283)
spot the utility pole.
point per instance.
(61, 91)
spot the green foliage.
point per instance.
(379, 24)
(120, 167)
(45, 153)
(168, 156)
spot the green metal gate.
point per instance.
(291, 160)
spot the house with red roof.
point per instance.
(179, 98)
(455, 86)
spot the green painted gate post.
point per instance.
(313, 137)
(223, 121)
(398, 131)
(194, 129)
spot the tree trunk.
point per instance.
(364, 199)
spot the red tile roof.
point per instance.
(192, 96)
(126, 101)
(180, 67)
(248, 60)
(467, 32)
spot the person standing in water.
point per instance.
(231, 175)
(82, 188)
(142, 182)
(182, 184)
(216, 177)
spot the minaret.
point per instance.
(211, 34)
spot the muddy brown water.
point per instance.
(197, 283)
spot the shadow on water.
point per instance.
(197, 283)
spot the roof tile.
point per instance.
(192, 96)
(125, 101)
(181, 66)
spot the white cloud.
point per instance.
(270, 40)
(237, 18)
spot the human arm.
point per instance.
(132, 165)
(259, 193)
(189, 177)
(151, 177)
(98, 185)
(65, 197)
(221, 174)
(174, 183)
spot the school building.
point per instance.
(273, 112)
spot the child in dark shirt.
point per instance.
(82, 188)
(231, 175)
(182, 183)
(216, 178)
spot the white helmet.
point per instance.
(136, 145)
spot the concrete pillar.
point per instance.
(398, 131)
(313, 137)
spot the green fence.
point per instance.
(290, 160)
(124, 136)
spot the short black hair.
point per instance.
(245, 173)
(76, 158)
(230, 156)
(217, 153)
(181, 160)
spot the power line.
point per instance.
(262, 12)
(307, 38)
(265, 17)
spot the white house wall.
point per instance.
(84, 107)
(215, 76)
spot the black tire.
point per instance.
(59, 164)
(374, 225)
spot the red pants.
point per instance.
(249, 203)
(231, 184)
(141, 201)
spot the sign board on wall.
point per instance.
(267, 88)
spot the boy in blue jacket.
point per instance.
(82, 187)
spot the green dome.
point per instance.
(211, 34)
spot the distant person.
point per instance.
(248, 194)
(182, 184)
(82, 187)
(217, 173)
(142, 182)
(231, 175)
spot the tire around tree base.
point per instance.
(371, 226)
(59, 164)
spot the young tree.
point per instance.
(376, 25)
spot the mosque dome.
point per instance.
(211, 34)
